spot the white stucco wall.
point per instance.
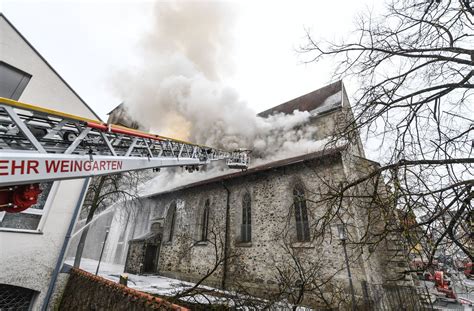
(45, 87)
(33, 256)
(29, 258)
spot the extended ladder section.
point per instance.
(38, 144)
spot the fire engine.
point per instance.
(39, 145)
(443, 286)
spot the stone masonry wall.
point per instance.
(387, 259)
(136, 254)
(262, 265)
(255, 265)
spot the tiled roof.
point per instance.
(321, 100)
(138, 299)
(264, 167)
(306, 102)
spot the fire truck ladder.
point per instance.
(39, 144)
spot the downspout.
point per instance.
(59, 262)
(226, 238)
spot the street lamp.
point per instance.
(102, 251)
(341, 229)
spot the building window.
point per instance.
(12, 81)
(205, 221)
(172, 220)
(29, 219)
(301, 214)
(15, 297)
(246, 227)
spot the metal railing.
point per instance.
(393, 298)
(15, 298)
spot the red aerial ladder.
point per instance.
(39, 144)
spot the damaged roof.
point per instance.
(264, 167)
(308, 102)
(325, 99)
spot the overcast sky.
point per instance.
(87, 40)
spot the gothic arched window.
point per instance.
(301, 214)
(171, 220)
(205, 221)
(246, 227)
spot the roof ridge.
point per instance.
(306, 102)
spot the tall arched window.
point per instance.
(301, 214)
(205, 221)
(246, 227)
(171, 220)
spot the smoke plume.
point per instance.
(178, 89)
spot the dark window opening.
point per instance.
(246, 227)
(172, 217)
(13, 81)
(15, 297)
(205, 221)
(301, 215)
(30, 218)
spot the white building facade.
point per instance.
(31, 241)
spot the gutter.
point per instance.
(226, 238)
(59, 262)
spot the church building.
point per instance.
(274, 230)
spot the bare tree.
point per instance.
(304, 278)
(215, 236)
(103, 192)
(414, 68)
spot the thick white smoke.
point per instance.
(178, 91)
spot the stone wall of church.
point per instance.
(330, 125)
(387, 258)
(259, 265)
(263, 265)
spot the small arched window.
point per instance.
(301, 214)
(205, 221)
(246, 227)
(171, 220)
